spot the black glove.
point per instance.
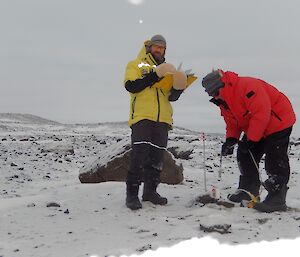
(228, 146)
(174, 94)
(246, 145)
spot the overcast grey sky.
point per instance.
(65, 59)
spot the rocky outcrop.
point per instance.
(113, 165)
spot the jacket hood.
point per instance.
(143, 55)
(230, 78)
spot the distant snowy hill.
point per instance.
(24, 118)
(46, 211)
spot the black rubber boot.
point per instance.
(275, 201)
(246, 191)
(151, 195)
(132, 198)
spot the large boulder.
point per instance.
(113, 164)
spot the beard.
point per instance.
(158, 58)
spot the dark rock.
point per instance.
(222, 229)
(53, 204)
(189, 180)
(144, 248)
(113, 165)
(205, 199)
(179, 154)
(178, 138)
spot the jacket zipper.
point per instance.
(132, 107)
(158, 105)
(275, 114)
(152, 59)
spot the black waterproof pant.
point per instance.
(275, 148)
(149, 141)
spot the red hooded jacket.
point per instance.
(254, 107)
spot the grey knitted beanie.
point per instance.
(212, 83)
(158, 40)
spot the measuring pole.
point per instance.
(220, 168)
(256, 166)
(204, 164)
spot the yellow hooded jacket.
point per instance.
(151, 103)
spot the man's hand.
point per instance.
(163, 68)
(228, 146)
(246, 145)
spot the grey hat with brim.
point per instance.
(212, 83)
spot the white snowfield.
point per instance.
(46, 211)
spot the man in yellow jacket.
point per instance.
(150, 118)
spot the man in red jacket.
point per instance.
(265, 116)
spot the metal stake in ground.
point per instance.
(254, 199)
(255, 163)
(204, 157)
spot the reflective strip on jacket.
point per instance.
(255, 107)
(151, 103)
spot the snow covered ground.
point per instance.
(46, 211)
